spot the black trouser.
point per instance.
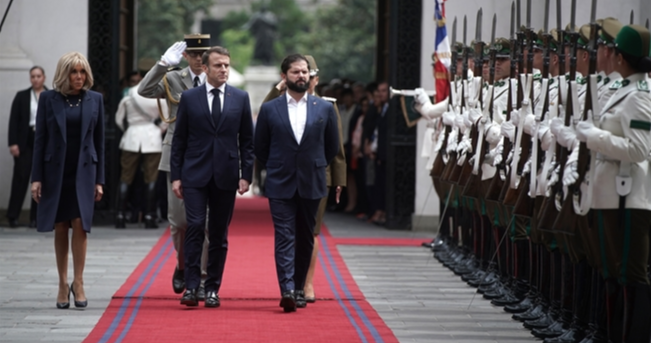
(21, 180)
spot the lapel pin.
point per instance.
(314, 102)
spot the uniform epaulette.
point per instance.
(537, 77)
(642, 86)
(330, 99)
(580, 80)
(174, 68)
(616, 84)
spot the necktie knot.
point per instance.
(215, 92)
(196, 81)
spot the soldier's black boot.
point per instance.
(637, 315)
(151, 206)
(121, 204)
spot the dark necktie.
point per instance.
(196, 81)
(215, 105)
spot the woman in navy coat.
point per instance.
(68, 167)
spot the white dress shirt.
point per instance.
(297, 115)
(202, 77)
(210, 96)
(34, 103)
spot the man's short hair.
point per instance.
(217, 49)
(290, 59)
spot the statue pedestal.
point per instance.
(259, 80)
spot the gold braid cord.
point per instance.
(169, 99)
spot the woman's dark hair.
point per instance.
(640, 64)
(37, 67)
(290, 59)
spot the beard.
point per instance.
(295, 87)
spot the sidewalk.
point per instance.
(420, 300)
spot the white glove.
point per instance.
(527, 167)
(173, 55)
(451, 142)
(545, 136)
(465, 146)
(421, 96)
(566, 136)
(515, 118)
(431, 124)
(493, 134)
(554, 178)
(531, 125)
(496, 154)
(475, 113)
(586, 129)
(508, 130)
(570, 174)
(460, 123)
(449, 117)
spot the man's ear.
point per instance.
(205, 68)
(283, 76)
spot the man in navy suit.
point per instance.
(211, 158)
(296, 138)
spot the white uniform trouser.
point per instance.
(177, 220)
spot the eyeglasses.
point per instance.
(194, 54)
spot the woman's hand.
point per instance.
(98, 192)
(36, 191)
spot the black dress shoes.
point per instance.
(201, 293)
(178, 281)
(82, 303)
(288, 301)
(300, 300)
(212, 299)
(32, 224)
(190, 298)
(13, 223)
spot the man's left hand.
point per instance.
(243, 186)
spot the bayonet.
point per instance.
(647, 23)
(454, 32)
(573, 14)
(518, 17)
(558, 16)
(547, 16)
(528, 14)
(478, 28)
(492, 41)
(512, 29)
(631, 18)
(465, 28)
(593, 10)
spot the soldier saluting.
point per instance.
(164, 82)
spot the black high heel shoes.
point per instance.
(78, 303)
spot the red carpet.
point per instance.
(145, 309)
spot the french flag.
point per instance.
(442, 54)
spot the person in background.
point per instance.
(22, 122)
(68, 167)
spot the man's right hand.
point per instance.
(14, 150)
(177, 189)
(173, 55)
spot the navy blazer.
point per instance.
(50, 155)
(293, 167)
(201, 149)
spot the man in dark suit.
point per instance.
(296, 137)
(22, 121)
(211, 158)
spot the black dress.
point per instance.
(68, 208)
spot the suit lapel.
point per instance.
(87, 114)
(59, 113)
(282, 111)
(311, 107)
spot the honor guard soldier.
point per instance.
(163, 81)
(611, 79)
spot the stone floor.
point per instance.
(420, 300)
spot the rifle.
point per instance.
(496, 189)
(469, 174)
(567, 217)
(549, 210)
(442, 159)
(525, 203)
(454, 170)
(521, 138)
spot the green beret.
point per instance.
(634, 40)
